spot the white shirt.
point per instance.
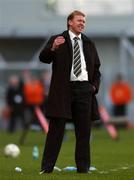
(84, 74)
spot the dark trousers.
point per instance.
(16, 114)
(119, 110)
(81, 117)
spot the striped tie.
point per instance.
(76, 58)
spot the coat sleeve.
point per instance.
(96, 74)
(46, 55)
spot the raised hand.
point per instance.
(57, 42)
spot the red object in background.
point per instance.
(34, 93)
(42, 119)
(105, 118)
(120, 93)
(5, 113)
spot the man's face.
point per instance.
(77, 24)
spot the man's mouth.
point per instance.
(81, 27)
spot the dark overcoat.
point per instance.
(59, 98)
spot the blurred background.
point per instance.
(26, 25)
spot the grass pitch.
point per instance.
(114, 160)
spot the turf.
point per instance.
(114, 160)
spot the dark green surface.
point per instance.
(113, 159)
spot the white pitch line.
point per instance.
(103, 172)
(114, 170)
(95, 169)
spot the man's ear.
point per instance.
(69, 22)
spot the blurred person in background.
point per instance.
(34, 95)
(120, 94)
(15, 103)
(72, 91)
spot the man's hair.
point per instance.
(72, 14)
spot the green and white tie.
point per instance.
(76, 58)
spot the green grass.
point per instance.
(114, 160)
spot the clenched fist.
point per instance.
(57, 42)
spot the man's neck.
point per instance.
(72, 35)
(77, 34)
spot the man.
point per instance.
(15, 102)
(121, 94)
(75, 80)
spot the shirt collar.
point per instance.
(72, 35)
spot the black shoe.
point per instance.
(82, 170)
(44, 172)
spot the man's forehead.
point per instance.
(78, 17)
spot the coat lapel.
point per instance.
(86, 50)
(69, 45)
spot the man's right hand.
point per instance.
(57, 42)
